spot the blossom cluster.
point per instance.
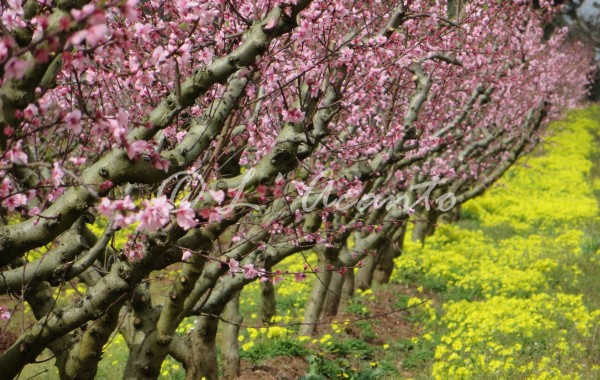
(153, 214)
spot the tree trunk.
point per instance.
(425, 225)
(202, 344)
(334, 295)
(364, 277)
(455, 9)
(268, 301)
(451, 216)
(348, 289)
(84, 355)
(40, 298)
(389, 251)
(230, 351)
(420, 231)
(143, 347)
(317, 296)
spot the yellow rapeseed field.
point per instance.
(514, 275)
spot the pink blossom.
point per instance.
(86, 10)
(4, 313)
(234, 266)
(16, 68)
(12, 19)
(14, 201)
(185, 216)
(134, 248)
(279, 186)
(106, 186)
(78, 161)
(158, 55)
(31, 111)
(125, 204)
(250, 272)
(55, 193)
(72, 120)
(142, 30)
(293, 116)
(276, 279)
(186, 255)
(129, 10)
(136, 148)
(91, 35)
(275, 228)
(144, 80)
(301, 188)
(346, 55)
(77, 38)
(118, 131)
(218, 196)
(155, 214)
(212, 214)
(64, 23)
(124, 220)
(6, 187)
(159, 163)
(3, 51)
(179, 136)
(57, 174)
(119, 211)
(105, 207)
(16, 155)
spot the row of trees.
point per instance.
(227, 136)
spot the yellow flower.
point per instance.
(456, 345)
